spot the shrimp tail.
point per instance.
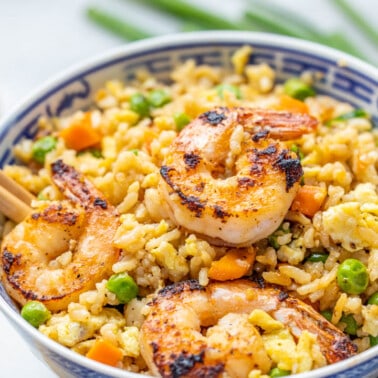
(280, 125)
(75, 187)
(335, 345)
(294, 313)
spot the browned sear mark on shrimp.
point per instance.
(100, 202)
(219, 212)
(192, 202)
(246, 182)
(8, 259)
(171, 291)
(284, 161)
(291, 167)
(270, 150)
(55, 213)
(214, 117)
(260, 135)
(192, 160)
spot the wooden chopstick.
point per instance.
(14, 199)
(12, 207)
(16, 189)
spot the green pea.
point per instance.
(327, 314)
(35, 313)
(181, 120)
(295, 148)
(135, 151)
(373, 340)
(41, 197)
(95, 152)
(318, 257)
(123, 286)
(283, 228)
(351, 324)
(356, 113)
(373, 299)
(139, 104)
(158, 97)
(228, 88)
(295, 87)
(43, 146)
(352, 276)
(272, 239)
(277, 372)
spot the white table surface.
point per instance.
(39, 38)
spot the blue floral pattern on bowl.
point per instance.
(342, 77)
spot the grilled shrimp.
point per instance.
(233, 193)
(83, 227)
(173, 343)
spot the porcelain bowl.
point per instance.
(343, 77)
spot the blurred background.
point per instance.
(40, 38)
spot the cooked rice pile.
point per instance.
(342, 158)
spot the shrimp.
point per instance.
(30, 252)
(233, 204)
(173, 342)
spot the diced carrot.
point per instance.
(103, 351)
(309, 199)
(234, 264)
(81, 134)
(291, 104)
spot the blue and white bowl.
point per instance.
(343, 77)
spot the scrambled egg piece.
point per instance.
(263, 320)
(278, 341)
(64, 330)
(308, 354)
(354, 223)
(373, 265)
(129, 340)
(282, 348)
(167, 256)
(370, 314)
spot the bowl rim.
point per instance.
(145, 46)
(87, 65)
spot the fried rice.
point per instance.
(341, 157)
